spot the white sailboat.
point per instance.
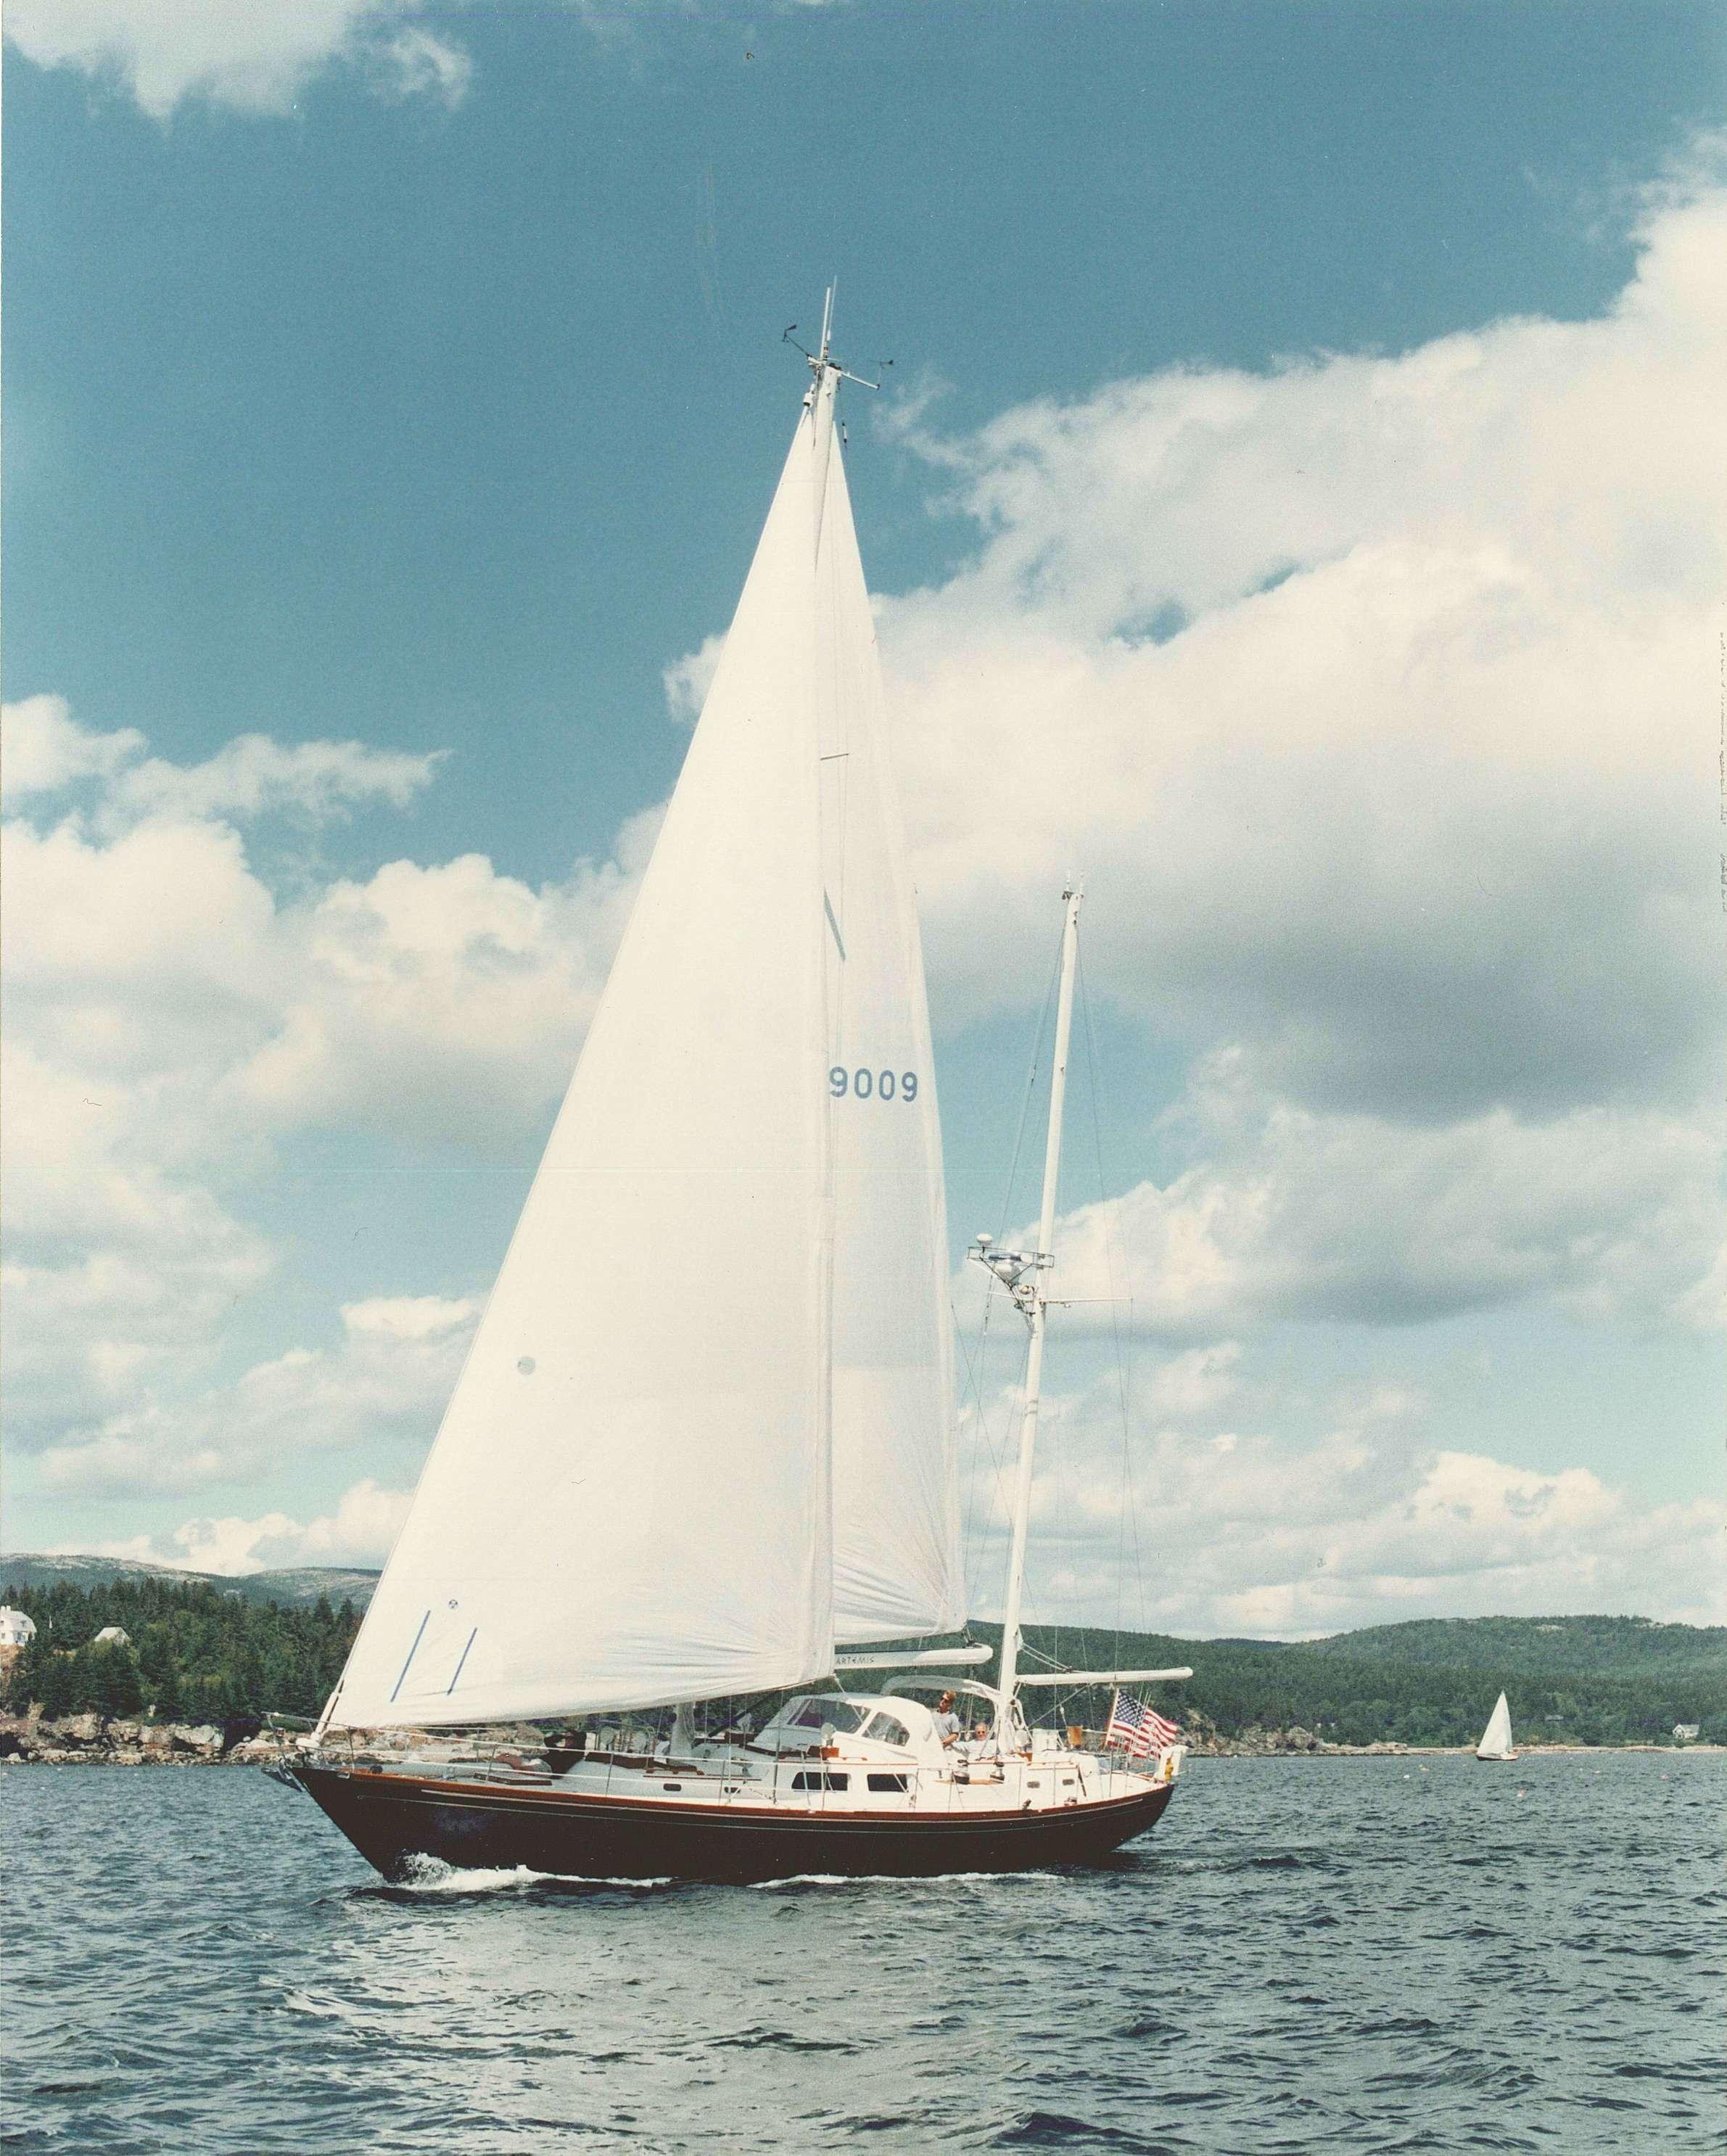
(703, 1445)
(1496, 1739)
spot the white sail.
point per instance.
(629, 1501)
(1496, 1739)
(897, 1563)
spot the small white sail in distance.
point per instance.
(1496, 1739)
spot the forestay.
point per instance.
(630, 1499)
(896, 1542)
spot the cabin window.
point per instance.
(812, 1781)
(886, 1730)
(825, 1714)
(885, 1784)
(671, 1785)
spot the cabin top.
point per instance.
(855, 1726)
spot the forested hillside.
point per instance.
(196, 1653)
(1570, 1679)
(202, 1650)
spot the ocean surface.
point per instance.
(1307, 1955)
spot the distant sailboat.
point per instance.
(703, 1443)
(1496, 1739)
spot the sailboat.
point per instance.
(1496, 1739)
(703, 1445)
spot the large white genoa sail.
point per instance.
(629, 1501)
(897, 1563)
(1496, 1739)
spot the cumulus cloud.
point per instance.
(1373, 696)
(386, 1383)
(1355, 1219)
(1208, 1526)
(44, 750)
(360, 1531)
(247, 58)
(170, 1022)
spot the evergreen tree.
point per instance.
(59, 1687)
(115, 1686)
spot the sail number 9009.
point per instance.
(865, 1084)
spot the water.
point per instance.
(1335, 1955)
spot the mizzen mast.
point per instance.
(1021, 1274)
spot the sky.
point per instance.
(1296, 502)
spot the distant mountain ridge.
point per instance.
(295, 1585)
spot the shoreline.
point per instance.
(85, 1741)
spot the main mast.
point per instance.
(1022, 1274)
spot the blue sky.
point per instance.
(412, 381)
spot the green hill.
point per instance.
(1570, 1679)
(228, 1648)
(1607, 1646)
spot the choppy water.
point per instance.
(1331, 1955)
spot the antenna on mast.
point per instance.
(821, 360)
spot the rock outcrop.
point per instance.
(86, 1740)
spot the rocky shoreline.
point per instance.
(85, 1740)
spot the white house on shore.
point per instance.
(16, 1629)
(111, 1636)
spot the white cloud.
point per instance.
(1373, 696)
(251, 57)
(359, 1533)
(1216, 1529)
(169, 1022)
(1352, 1219)
(688, 680)
(386, 1383)
(42, 748)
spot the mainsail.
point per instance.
(1496, 1739)
(705, 1428)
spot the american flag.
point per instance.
(1137, 1729)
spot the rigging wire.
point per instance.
(1025, 1102)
